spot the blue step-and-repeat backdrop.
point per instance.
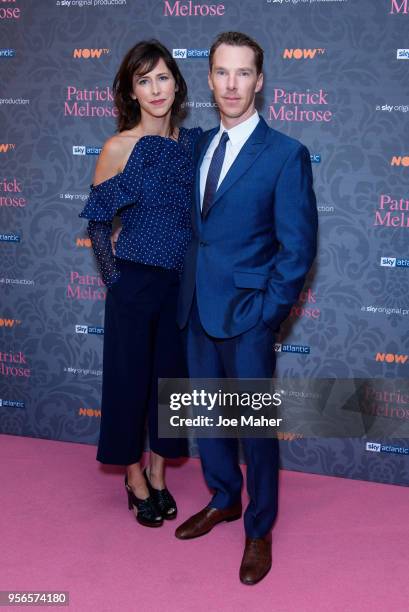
(336, 77)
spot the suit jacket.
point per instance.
(249, 257)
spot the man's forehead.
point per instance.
(237, 56)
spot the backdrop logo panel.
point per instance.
(331, 87)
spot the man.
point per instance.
(254, 240)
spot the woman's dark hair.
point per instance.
(141, 59)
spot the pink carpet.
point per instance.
(338, 545)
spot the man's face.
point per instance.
(234, 82)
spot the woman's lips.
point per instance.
(158, 102)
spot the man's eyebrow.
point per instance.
(240, 68)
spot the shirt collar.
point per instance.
(241, 131)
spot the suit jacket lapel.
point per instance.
(245, 159)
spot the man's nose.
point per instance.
(231, 82)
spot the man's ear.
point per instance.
(260, 81)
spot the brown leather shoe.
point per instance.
(204, 521)
(256, 562)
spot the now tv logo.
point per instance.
(9, 322)
(6, 147)
(302, 53)
(399, 160)
(89, 53)
(391, 358)
(83, 242)
(89, 412)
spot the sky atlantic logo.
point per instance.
(394, 262)
(9, 237)
(7, 53)
(190, 53)
(192, 9)
(89, 329)
(4, 403)
(292, 348)
(402, 54)
(392, 212)
(84, 150)
(299, 54)
(290, 106)
(399, 7)
(97, 102)
(375, 447)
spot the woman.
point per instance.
(144, 175)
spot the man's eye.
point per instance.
(219, 71)
(244, 73)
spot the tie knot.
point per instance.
(224, 138)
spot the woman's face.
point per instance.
(155, 90)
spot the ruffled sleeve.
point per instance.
(108, 198)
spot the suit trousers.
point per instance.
(142, 343)
(248, 355)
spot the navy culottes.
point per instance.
(141, 344)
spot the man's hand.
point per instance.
(114, 239)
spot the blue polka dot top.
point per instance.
(152, 196)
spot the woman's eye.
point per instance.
(164, 78)
(142, 82)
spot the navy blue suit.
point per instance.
(244, 269)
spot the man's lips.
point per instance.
(231, 98)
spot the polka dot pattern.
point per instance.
(152, 196)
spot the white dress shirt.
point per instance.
(238, 135)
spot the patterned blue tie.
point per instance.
(214, 174)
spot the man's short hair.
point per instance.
(238, 39)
